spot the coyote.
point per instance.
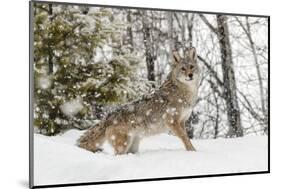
(166, 109)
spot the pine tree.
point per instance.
(67, 78)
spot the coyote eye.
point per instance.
(191, 66)
(183, 69)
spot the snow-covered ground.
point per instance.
(57, 160)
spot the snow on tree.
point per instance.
(72, 107)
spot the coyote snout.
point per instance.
(167, 109)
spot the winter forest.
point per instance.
(88, 61)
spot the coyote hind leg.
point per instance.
(119, 141)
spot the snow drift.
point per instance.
(57, 160)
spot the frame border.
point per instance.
(31, 83)
(147, 8)
(31, 92)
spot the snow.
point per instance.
(148, 112)
(57, 159)
(72, 107)
(44, 82)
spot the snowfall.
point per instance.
(58, 160)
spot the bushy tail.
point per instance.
(93, 138)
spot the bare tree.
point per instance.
(247, 30)
(233, 112)
(229, 81)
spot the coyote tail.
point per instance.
(93, 138)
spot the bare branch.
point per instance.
(205, 20)
(212, 71)
(243, 27)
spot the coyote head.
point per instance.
(185, 69)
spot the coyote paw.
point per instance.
(191, 149)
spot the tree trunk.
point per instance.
(170, 36)
(261, 88)
(233, 112)
(264, 117)
(85, 10)
(129, 39)
(148, 47)
(50, 50)
(190, 18)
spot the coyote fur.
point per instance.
(166, 109)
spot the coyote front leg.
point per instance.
(179, 130)
(134, 148)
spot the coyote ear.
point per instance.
(176, 56)
(191, 54)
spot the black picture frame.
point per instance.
(31, 82)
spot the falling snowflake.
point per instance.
(148, 112)
(44, 82)
(72, 107)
